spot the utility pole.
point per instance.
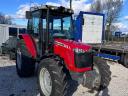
(30, 2)
(70, 4)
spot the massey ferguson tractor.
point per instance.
(50, 49)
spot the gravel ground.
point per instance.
(12, 85)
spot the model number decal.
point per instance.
(61, 44)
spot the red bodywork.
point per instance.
(65, 49)
(62, 47)
(30, 44)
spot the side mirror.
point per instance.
(28, 15)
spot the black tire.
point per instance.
(59, 77)
(105, 73)
(27, 68)
(26, 64)
(126, 60)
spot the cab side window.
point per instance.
(35, 26)
(29, 27)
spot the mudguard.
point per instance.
(29, 44)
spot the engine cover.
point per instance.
(71, 51)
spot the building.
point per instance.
(10, 30)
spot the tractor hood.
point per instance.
(77, 56)
(73, 45)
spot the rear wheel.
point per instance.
(52, 78)
(25, 66)
(100, 77)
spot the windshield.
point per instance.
(60, 26)
(64, 28)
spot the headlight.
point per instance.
(77, 50)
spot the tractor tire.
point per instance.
(25, 65)
(126, 60)
(99, 78)
(52, 78)
(104, 72)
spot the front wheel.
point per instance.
(52, 78)
(100, 77)
(126, 60)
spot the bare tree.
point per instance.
(111, 9)
(96, 6)
(5, 19)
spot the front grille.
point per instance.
(83, 60)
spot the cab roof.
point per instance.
(51, 8)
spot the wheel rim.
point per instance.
(19, 60)
(97, 80)
(45, 82)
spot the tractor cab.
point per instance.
(46, 23)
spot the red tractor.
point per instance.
(49, 44)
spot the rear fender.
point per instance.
(29, 44)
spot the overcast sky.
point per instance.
(17, 8)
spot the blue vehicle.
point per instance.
(90, 29)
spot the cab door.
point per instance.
(33, 32)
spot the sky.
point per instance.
(16, 9)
